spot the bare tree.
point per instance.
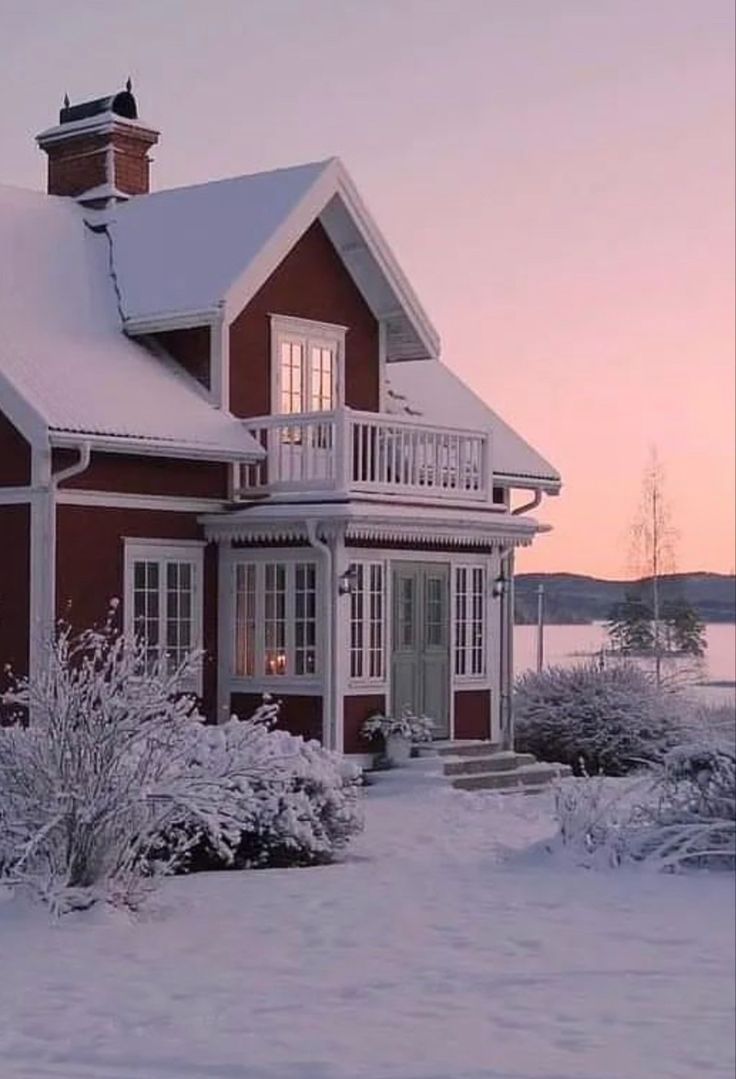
(653, 538)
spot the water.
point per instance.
(567, 645)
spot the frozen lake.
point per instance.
(566, 645)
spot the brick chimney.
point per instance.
(98, 152)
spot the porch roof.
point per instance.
(354, 520)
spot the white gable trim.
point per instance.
(333, 180)
(22, 415)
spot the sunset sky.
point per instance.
(555, 176)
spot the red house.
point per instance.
(225, 406)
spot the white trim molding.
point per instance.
(163, 554)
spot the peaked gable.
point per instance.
(196, 253)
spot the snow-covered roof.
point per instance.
(431, 390)
(65, 363)
(208, 248)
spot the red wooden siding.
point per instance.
(299, 714)
(190, 348)
(473, 713)
(356, 710)
(90, 565)
(127, 474)
(15, 584)
(310, 283)
(15, 456)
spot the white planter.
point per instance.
(398, 749)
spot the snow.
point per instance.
(181, 250)
(433, 392)
(62, 346)
(440, 949)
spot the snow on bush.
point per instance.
(302, 802)
(681, 814)
(115, 756)
(610, 721)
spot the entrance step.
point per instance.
(505, 760)
(474, 764)
(526, 777)
(469, 748)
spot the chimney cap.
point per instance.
(121, 104)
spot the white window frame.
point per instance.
(289, 561)
(163, 552)
(308, 334)
(463, 643)
(363, 590)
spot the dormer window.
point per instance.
(307, 362)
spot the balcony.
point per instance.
(355, 453)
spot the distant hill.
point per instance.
(570, 598)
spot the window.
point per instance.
(276, 620)
(470, 619)
(306, 358)
(367, 622)
(163, 600)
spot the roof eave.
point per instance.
(155, 447)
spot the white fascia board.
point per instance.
(547, 484)
(147, 447)
(282, 241)
(384, 256)
(23, 416)
(172, 320)
(333, 180)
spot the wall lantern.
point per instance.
(347, 582)
(498, 589)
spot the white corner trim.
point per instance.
(26, 419)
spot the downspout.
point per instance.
(329, 695)
(85, 452)
(531, 505)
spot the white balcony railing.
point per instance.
(347, 451)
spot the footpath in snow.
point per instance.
(432, 952)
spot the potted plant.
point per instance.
(399, 733)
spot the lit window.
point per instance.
(367, 622)
(470, 620)
(163, 604)
(276, 620)
(307, 357)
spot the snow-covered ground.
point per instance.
(433, 952)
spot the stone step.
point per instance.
(505, 760)
(458, 749)
(525, 777)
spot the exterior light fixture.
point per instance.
(498, 588)
(347, 582)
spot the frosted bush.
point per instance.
(610, 721)
(302, 804)
(681, 814)
(115, 756)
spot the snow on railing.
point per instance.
(349, 451)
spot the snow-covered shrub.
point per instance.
(610, 721)
(115, 756)
(406, 725)
(680, 814)
(302, 804)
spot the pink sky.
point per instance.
(556, 177)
